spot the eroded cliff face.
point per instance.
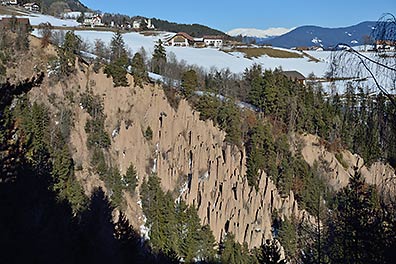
(190, 157)
(187, 154)
(339, 170)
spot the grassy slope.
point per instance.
(10, 11)
(258, 52)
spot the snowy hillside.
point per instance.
(260, 33)
(236, 62)
(209, 58)
(36, 19)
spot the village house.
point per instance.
(149, 24)
(32, 7)
(94, 21)
(199, 43)
(181, 39)
(89, 14)
(71, 15)
(7, 23)
(136, 24)
(295, 76)
(213, 41)
(139, 24)
(11, 2)
(385, 45)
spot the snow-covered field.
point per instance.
(36, 19)
(209, 58)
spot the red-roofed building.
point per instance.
(385, 45)
(181, 39)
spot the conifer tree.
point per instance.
(167, 232)
(152, 195)
(130, 178)
(36, 125)
(255, 81)
(139, 70)
(118, 60)
(113, 181)
(255, 152)
(206, 244)
(159, 58)
(261, 155)
(117, 48)
(356, 213)
(192, 237)
(288, 238)
(67, 53)
(189, 82)
(62, 170)
(229, 119)
(232, 252)
(270, 253)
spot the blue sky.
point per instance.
(226, 15)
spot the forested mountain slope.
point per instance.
(74, 5)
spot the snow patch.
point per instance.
(316, 40)
(182, 190)
(144, 230)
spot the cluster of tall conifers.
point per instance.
(120, 62)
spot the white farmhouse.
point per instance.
(136, 24)
(71, 15)
(95, 21)
(32, 7)
(149, 24)
(213, 41)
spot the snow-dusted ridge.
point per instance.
(260, 33)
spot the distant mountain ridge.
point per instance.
(259, 33)
(308, 36)
(74, 5)
(195, 30)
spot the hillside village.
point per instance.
(98, 20)
(88, 19)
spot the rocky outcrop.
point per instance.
(189, 155)
(339, 167)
